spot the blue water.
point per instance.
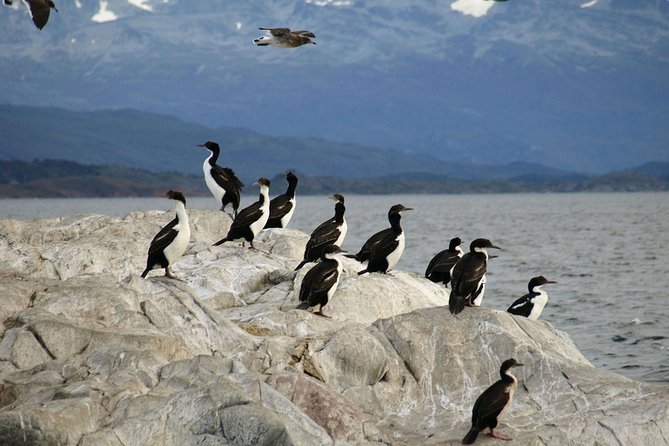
(606, 251)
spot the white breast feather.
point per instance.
(217, 191)
(286, 218)
(394, 256)
(538, 304)
(342, 234)
(178, 246)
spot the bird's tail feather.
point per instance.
(360, 273)
(456, 303)
(302, 263)
(471, 436)
(221, 241)
(303, 305)
(146, 271)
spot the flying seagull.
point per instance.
(285, 38)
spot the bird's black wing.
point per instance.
(370, 245)
(40, 12)
(325, 234)
(318, 281)
(279, 206)
(304, 33)
(277, 32)
(384, 247)
(442, 262)
(522, 306)
(489, 405)
(467, 274)
(226, 178)
(246, 216)
(164, 237)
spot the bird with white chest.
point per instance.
(172, 240)
(250, 220)
(532, 304)
(221, 181)
(385, 254)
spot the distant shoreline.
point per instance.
(68, 179)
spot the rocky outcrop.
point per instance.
(91, 354)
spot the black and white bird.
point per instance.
(250, 220)
(282, 207)
(330, 232)
(385, 254)
(439, 268)
(532, 304)
(468, 276)
(493, 404)
(171, 241)
(39, 10)
(221, 181)
(321, 281)
(285, 38)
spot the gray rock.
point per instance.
(91, 354)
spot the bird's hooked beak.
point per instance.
(201, 145)
(518, 365)
(496, 247)
(332, 197)
(551, 281)
(407, 209)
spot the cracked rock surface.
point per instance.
(91, 354)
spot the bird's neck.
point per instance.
(339, 212)
(182, 215)
(291, 190)
(482, 251)
(507, 377)
(213, 157)
(537, 290)
(264, 195)
(394, 220)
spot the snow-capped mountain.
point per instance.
(575, 84)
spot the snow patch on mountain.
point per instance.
(141, 4)
(104, 15)
(474, 8)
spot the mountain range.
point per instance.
(574, 85)
(160, 143)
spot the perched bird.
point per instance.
(385, 254)
(221, 181)
(39, 10)
(330, 232)
(285, 38)
(281, 207)
(439, 268)
(532, 304)
(252, 219)
(493, 403)
(171, 241)
(468, 276)
(320, 282)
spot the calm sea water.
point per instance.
(604, 250)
